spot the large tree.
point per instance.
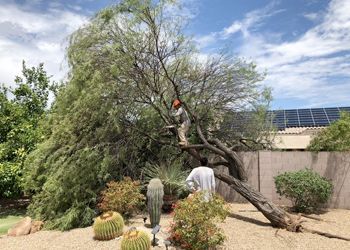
(127, 65)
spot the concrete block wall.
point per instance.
(263, 166)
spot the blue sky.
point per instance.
(303, 45)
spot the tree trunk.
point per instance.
(274, 214)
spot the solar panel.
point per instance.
(292, 118)
(333, 114)
(345, 109)
(313, 117)
(320, 117)
(279, 119)
(306, 117)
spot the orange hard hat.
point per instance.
(176, 103)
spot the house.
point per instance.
(297, 127)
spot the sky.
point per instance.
(302, 45)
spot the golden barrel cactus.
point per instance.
(135, 240)
(108, 226)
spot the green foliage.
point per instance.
(124, 197)
(305, 188)
(108, 226)
(336, 137)
(22, 110)
(194, 222)
(63, 198)
(135, 240)
(86, 148)
(171, 173)
(107, 120)
(10, 179)
(155, 195)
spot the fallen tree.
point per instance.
(162, 70)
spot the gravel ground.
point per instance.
(245, 229)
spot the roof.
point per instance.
(298, 130)
(312, 117)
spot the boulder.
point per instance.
(21, 228)
(36, 226)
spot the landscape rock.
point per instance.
(21, 228)
(36, 226)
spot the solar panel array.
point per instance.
(313, 117)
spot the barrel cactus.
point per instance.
(155, 195)
(135, 240)
(108, 226)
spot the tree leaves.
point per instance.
(336, 137)
(22, 110)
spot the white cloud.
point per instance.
(313, 68)
(205, 41)
(313, 16)
(251, 20)
(34, 37)
(306, 68)
(233, 28)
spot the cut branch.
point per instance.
(328, 235)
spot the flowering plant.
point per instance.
(124, 197)
(194, 223)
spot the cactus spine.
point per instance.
(108, 226)
(135, 240)
(155, 195)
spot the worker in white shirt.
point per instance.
(185, 122)
(202, 179)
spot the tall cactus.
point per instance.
(135, 240)
(108, 226)
(155, 195)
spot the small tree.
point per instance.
(336, 137)
(21, 111)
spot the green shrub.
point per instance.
(194, 222)
(306, 189)
(10, 179)
(124, 197)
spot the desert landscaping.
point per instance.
(245, 228)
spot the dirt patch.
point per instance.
(245, 228)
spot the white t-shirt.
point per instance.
(202, 179)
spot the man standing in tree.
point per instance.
(183, 118)
(202, 179)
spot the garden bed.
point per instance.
(245, 228)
